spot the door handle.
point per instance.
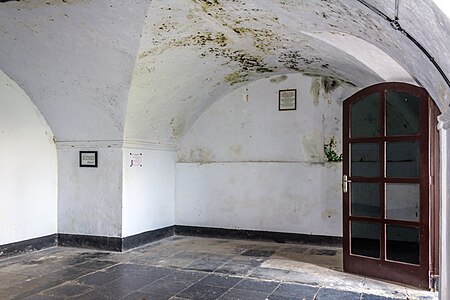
(345, 182)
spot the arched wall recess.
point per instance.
(28, 164)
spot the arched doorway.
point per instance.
(391, 184)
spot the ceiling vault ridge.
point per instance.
(395, 24)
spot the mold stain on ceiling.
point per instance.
(146, 70)
(194, 52)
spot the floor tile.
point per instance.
(32, 287)
(269, 273)
(235, 294)
(201, 291)
(125, 269)
(301, 277)
(185, 276)
(165, 287)
(219, 257)
(279, 297)
(96, 264)
(94, 295)
(220, 280)
(144, 296)
(189, 255)
(112, 291)
(375, 297)
(131, 282)
(206, 265)
(296, 249)
(332, 294)
(258, 253)
(67, 290)
(5, 295)
(98, 278)
(199, 268)
(8, 279)
(171, 262)
(242, 268)
(325, 252)
(249, 260)
(257, 285)
(296, 290)
(31, 269)
(41, 297)
(140, 270)
(68, 274)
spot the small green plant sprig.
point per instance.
(330, 150)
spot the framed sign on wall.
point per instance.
(287, 100)
(88, 159)
(136, 160)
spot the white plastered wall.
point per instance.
(115, 199)
(90, 199)
(28, 168)
(246, 165)
(148, 189)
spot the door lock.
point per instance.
(345, 182)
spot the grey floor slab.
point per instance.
(257, 285)
(202, 291)
(183, 267)
(296, 291)
(220, 280)
(236, 294)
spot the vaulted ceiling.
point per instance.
(145, 70)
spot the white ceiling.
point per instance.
(145, 70)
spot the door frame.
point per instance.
(421, 275)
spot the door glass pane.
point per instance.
(365, 199)
(402, 159)
(365, 160)
(402, 244)
(365, 117)
(402, 113)
(365, 239)
(402, 201)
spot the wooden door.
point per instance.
(389, 184)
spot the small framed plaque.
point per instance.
(287, 100)
(88, 159)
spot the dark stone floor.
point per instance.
(192, 268)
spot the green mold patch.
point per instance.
(236, 77)
(203, 39)
(207, 5)
(292, 60)
(216, 43)
(278, 79)
(263, 39)
(330, 84)
(326, 84)
(247, 61)
(248, 64)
